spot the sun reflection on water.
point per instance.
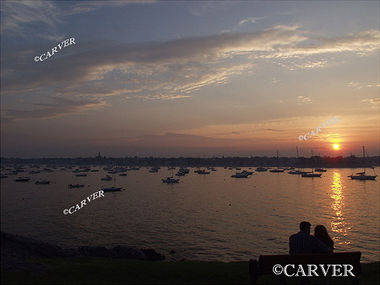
(338, 224)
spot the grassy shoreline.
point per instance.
(96, 270)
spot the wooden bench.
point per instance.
(266, 263)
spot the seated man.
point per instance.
(304, 243)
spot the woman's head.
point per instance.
(320, 230)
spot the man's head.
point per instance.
(305, 227)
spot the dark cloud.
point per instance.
(59, 106)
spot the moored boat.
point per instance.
(201, 171)
(312, 174)
(240, 175)
(170, 180)
(111, 189)
(363, 175)
(106, 178)
(42, 182)
(22, 179)
(153, 170)
(76, 185)
(295, 172)
(276, 170)
(261, 169)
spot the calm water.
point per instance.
(204, 217)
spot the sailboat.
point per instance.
(170, 180)
(276, 170)
(298, 170)
(113, 188)
(362, 175)
(311, 174)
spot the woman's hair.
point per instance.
(321, 233)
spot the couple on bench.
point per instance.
(304, 243)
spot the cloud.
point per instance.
(88, 6)
(359, 85)
(361, 43)
(17, 16)
(174, 69)
(372, 101)
(303, 100)
(250, 20)
(294, 64)
(60, 106)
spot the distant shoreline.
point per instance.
(238, 161)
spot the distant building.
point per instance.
(99, 157)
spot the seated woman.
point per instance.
(320, 232)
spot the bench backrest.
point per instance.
(266, 262)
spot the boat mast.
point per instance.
(277, 160)
(312, 162)
(297, 158)
(363, 160)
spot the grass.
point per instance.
(91, 270)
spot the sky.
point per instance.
(189, 78)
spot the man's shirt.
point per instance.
(304, 243)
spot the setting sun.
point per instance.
(336, 147)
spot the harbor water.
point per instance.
(203, 217)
